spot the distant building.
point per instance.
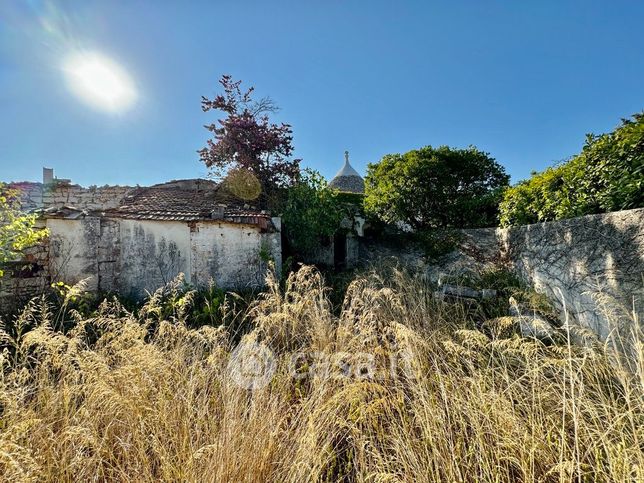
(347, 179)
(342, 249)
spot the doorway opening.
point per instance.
(340, 251)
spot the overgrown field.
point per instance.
(399, 387)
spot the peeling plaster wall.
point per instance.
(232, 255)
(274, 243)
(73, 250)
(109, 255)
(132, 256)
(152, 253)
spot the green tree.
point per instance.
(246, 140)
(312, 211)
(436, 188)
(607, 175)
(17, 229)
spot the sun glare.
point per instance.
(100, 82)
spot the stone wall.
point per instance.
(73, 250)
(109, 255)
(591, 266)
(58, 194)
(25, 279)
(324, 254)
(233, 256)
(134, 257)
(152, 253)
(74, 247)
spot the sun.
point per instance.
(100, 82)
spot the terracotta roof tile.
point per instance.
(177, 203)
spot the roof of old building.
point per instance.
(347, 179)
(66, 212)
(182, 200)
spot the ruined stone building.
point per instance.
(342, 249)
(134, 239)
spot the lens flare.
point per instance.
(100, 82)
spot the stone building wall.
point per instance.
(234, 256)
(152, 253)
(73, 245)
(73, 250)
(134, 257)
(109, 255)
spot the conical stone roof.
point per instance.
(347, 179)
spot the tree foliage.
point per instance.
(436, 188)
(246, 139)
(17, 230)
(312, 211)
(607, 175)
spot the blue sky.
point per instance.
(524, 81)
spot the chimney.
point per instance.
(47, 175)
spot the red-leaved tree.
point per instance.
(245, 138)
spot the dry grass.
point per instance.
(124, 398)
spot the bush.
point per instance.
(607, 175)
(312, 212)
(436, 243)
(436, 188)
(17, 229)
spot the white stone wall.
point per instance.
(232, 255)
(152, 253)
(134, 257)
(73, 246)
(591, 265)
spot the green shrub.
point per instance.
(436, 243)
(17, 229)
(312, 212)
(608, 175)
(440, 187)
(353, 200)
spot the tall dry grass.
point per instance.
(125, 398)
